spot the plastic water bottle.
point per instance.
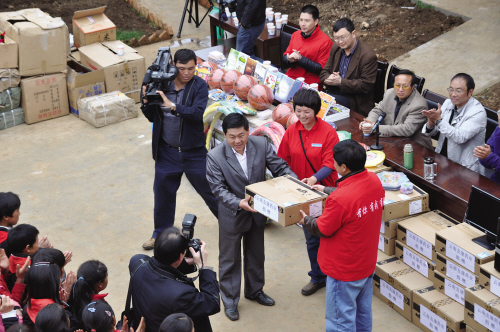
(408, 156)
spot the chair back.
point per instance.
(433, 99)
(394, 70)
(379, 82)
(286, 35)
(491, 122)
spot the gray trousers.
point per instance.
(230, 264)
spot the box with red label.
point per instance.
(44, 97)
(92, 26)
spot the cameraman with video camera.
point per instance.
(159, 286)
(174, 99)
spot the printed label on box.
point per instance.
(459, 255)
(432, 321)
(382, 227)
(415, 207)
(392, 294)
(454, 291)
(404, 197)
(486, 318)
(266, 207)
(495, 285)
(381, 242)
(415, 262)
(462, 276)
(316, 209)
(416, 242)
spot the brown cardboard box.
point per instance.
(456, 243)
(381, 256)
(394, 282)
(490, 278)
(434, 311)
(415, 260)
(386, 245)
(82, 82)
(43, 41)
(469, 329)
(419, 232)
(449, 287)
(9, 78)
(455, 272)
(482, 309)
(390, 228)
(397, 205)
(121, 73)
(282, 198)
(92, 26)
(44, 97)
(9, 53)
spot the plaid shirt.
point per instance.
(345, 60)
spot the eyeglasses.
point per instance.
(341, 38)
(458, 91)
(404, 87)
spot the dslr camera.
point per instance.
(188, 231)
(159, 76)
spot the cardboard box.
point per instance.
(394, 283)
(282, 198)
(9, 78)
(44, 97)
(434, 311)
(456, 243)
(416, 261)
(397, 205)
(107, 109)
(455, 271)
(43, 40)
(381, 256)
(490, 278)
(482, 309)
(386, 245)
(121, 73)
(419, 232)
(469, 329)
(390, 228)
(82, 82)
(92, 26)
(449, 287)
(9, 51)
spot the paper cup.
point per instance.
(270, 25)
(278, 23)
(300, 79)
(269, 9)
(365, 125)
(266, 63)
(272, 31)
(236, 22)
(270, 16)
(120, 50)
(277, 15)
(233, 14)
(284, 19)
(314, 86)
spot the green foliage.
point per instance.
(128, 34)
(423, 5)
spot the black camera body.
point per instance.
(188, 231)
(159, 76)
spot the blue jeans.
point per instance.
(312, 243)
(245, 39)
(349, 305)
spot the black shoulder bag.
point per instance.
(305, 154)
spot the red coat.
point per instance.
(351, 222)
(318, 142)
(316, 48)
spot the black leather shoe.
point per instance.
(262, 298)
(232, 314)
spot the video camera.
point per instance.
(188, 231)
(159, 76)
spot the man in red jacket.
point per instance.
(309, 48)
(349, 230)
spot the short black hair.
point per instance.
(98, 316)
(310, 9)
(52, 318)
(169, 245)
(234, 120)
(184, 55)
(177, 323)
(351, 154)
(344, 22)
(42, 282)
(308, 98)
(51, 255)
(407, 72)
(21, 236)
(9, 203)
(20, 328)
(468, 79)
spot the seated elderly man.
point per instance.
(460, 122)
(489, 154)
(403, 106)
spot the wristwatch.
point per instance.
(438, 122)
(173, 107)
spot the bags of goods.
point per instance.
(107, 109)
(10, 99)
(11, 118)
(9, 78)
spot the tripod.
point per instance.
(196, 19)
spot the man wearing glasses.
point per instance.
(351, 70)
(460, 122)
(403, 106)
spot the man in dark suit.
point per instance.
(160, 287)
(351, 70)
(240, 161)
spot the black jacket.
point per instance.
(191, 109)
(154, 297)
(251, 12)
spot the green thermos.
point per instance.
(408, 156)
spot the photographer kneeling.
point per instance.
(160, 286)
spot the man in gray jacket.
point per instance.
(238, 162)
(403, 106)
(460, 122)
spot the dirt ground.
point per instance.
(490, 97)
(392, 30)
(118, 11)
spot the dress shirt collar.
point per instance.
(353, 49)
(238, 154)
